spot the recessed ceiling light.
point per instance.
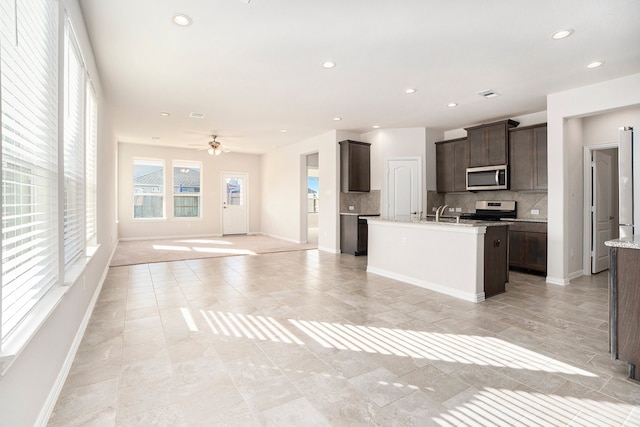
(328, 64)
(337, 119)
(164, 114)
(595, 64)
(182, 20)
(452, 104)
(562, 34)
(155, 138)
(195, 115)
(410, 90)
(375, 127)
(283, 130)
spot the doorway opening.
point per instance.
(313, 198)
(601, 221)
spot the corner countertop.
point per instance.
(541, 220)
(359, 214)
(624, 242)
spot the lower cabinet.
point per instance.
(496, 272)
(353, 235)
(528, 246)
(624, 307)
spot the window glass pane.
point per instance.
(234, 192)
(148, 189)
(186, 189)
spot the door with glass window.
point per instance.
(234, 203)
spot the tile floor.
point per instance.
(309, 338)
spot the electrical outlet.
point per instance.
(403, 242)
(458, 209)
(433, 209)
(535, 212)
(351, 207)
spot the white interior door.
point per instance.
(601, 218)
(404, 195)
(234, 203)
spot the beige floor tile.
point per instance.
(310, 338)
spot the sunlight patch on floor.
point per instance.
(492, 407)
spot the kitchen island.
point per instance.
(467, 260)
(624, 301)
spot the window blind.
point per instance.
(90, 172)
(29, 93)
(74, 155)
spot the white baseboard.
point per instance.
(182, 236)
(50, 403)
(557, 281)
(467, 296)
(327, 249)
(575, 275)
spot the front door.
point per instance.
(601, 211)
(234, 203)
(404, 195)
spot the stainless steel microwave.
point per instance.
(487, 178)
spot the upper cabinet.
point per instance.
(452, 160)
(488, 143)
(528, 158)
(355, 166)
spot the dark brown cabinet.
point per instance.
(496, 271)
(528, 158)
(624, 307)
(488, 143)
(452, 160)
(353, 234)
(355, 166)
(528, 246)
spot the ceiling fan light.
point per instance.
(217, 151)
(210, 151)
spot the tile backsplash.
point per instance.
(467, 201)
(366, 203)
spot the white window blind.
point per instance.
(90, 163)
(74, 156)
(186, 189)
(29, 94)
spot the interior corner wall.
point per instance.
(281, 213)
(30, 386)
(599, 98)
(393, 143)
(210, 222)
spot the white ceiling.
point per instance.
(255, 69)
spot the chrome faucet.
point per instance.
(440, 212)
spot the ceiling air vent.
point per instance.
(196, 115)
(487, 93)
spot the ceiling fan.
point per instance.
(215, 147)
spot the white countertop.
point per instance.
(624, 242)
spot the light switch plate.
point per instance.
(535, 212)
(458, 209)
(452, 209)
(351, 208)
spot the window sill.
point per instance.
(30, 326)
(150, 219)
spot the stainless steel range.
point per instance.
(492, 210)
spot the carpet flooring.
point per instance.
(166, 250)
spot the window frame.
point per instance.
(161, 194)
(187, 164)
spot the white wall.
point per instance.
(284, 190)
(31, 384)
(402, 142)
(564, 181)
(211, 193)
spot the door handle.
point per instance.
(610, 218)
